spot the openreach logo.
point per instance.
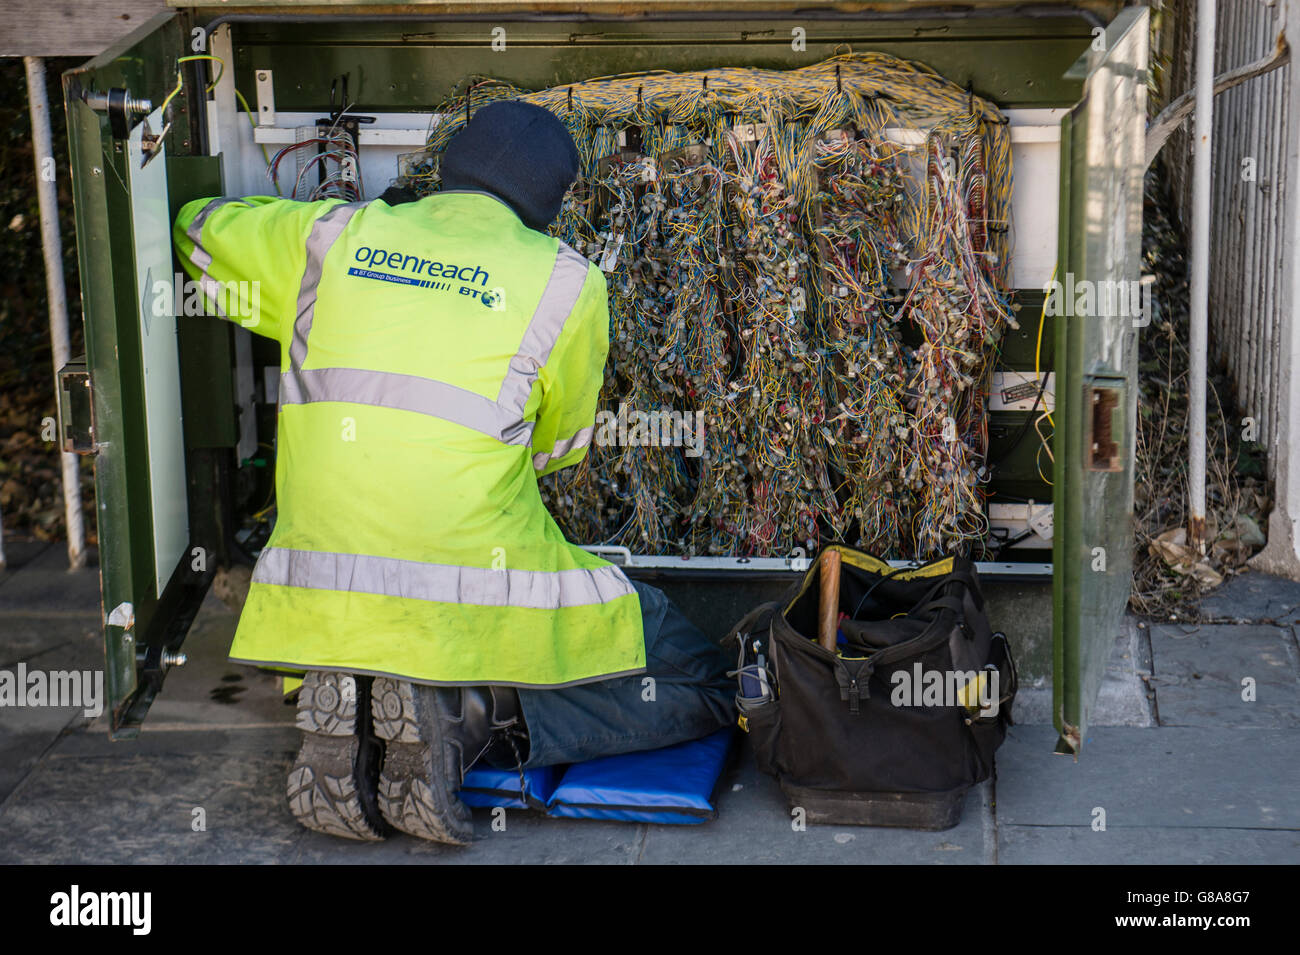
(657, 429)
(975, 690)
(418, 272)
(1085, 298)
(75, 907)
(78, 688)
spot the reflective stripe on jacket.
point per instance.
(437, 357)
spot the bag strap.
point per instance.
(964, 577)
(964, 571)
(870, 590)
(1006, 694)
(1000, 637)
(932, 637)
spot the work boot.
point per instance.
(332, 786)
(434, 735)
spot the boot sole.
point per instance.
(413, 796)
(332, 785)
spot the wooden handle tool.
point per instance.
(829, 577)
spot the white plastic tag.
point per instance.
(609, 258)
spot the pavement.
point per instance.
(1177, 768)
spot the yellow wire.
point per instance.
(1042, 317)
(180, 80)
(1042, 441)
(170, 95)
(180, 76)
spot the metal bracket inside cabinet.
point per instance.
(151, 144)
(623, 557)
(265, 98)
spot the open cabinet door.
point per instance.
(151, 576)
(1096, 349)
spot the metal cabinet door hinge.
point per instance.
(122, 108)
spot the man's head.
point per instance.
(517, 151)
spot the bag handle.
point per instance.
(963, 573)
(965, 578)
(930, 638)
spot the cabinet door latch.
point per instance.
(76, 409)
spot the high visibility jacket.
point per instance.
(437, 357)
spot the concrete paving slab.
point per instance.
(44, 643)
(1122, 700)
(22, 551)
(141, 808)
(44, 583)
(1053, 845)
(51, 640)
(25, 736)
(754, 826)
(91, 741)
(209, 690)
(92, 800)
(1198, 675)
(1254, 597)
(1163, 777)
(526, 839)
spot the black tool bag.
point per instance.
(865, 735)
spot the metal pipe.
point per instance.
(52, 247)
(1200, 265)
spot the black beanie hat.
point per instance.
(517, 151)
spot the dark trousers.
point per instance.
(684, 694)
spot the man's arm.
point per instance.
(248, 256)
(571, 381)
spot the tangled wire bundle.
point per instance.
(813, 261)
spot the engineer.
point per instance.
(438, 356)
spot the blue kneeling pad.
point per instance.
(486, 787)
(673, 785)
(670, 785)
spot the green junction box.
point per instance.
(181, 412)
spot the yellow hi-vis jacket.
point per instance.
(436, 358)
